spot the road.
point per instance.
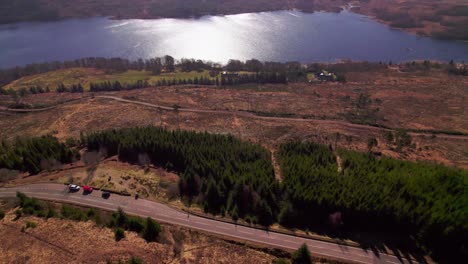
(166, 214)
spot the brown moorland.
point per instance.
(55, 240)
(272, 114)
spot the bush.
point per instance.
(302, 256)
(136, 224)
(152, 230)
(73, 213)
(50, 212)
(31, 206)
(121, 218)
(30, 225)
(2, 214)
(281, 261)
(119, 234)
(134, 260)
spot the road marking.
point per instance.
(201, 223)
(223, 227)
(244, 232)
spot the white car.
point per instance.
(73, 188)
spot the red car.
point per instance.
(87, 189)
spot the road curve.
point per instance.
(163, 213)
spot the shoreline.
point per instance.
(372, 17)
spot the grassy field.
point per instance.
(85, 76)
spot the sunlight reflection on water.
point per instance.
(270, 36)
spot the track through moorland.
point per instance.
(341, 123)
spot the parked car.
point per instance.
(73, 188)
(105, 195)
(87, 189)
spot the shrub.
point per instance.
(2, 214)
(152, 230)
(302, 256)
(119, 234)
(281, 261)
(73, 213)
(121, 218)
(51, 212)
(134, 260)
(30, 225)
(136, 224)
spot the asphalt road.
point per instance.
(163, 213)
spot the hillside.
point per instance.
(53, 240)
(414, 98)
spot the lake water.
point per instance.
(269, 36)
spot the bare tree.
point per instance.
(177, 112)
(91, 160)
(144, 161)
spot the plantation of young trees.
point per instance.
(427, 201)
(225, 174)
(34, 154)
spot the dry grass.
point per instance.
(85, 76)
(415, 100)
(56, 241)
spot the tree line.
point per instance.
(294, 71)
(231, 177)
(426, 201)
(110, 65)
(118, 86)
(35, 154)
(221, 173)
(201, 80)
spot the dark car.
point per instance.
(105, 195)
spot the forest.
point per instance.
(219, 172)
(35, 154)
(226, 176)
(426, 201)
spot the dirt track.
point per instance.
(344, 124)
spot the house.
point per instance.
(227, 74)
(325, 76)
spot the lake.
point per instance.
(268, 36)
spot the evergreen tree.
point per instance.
(302, 256)
(152, 230)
